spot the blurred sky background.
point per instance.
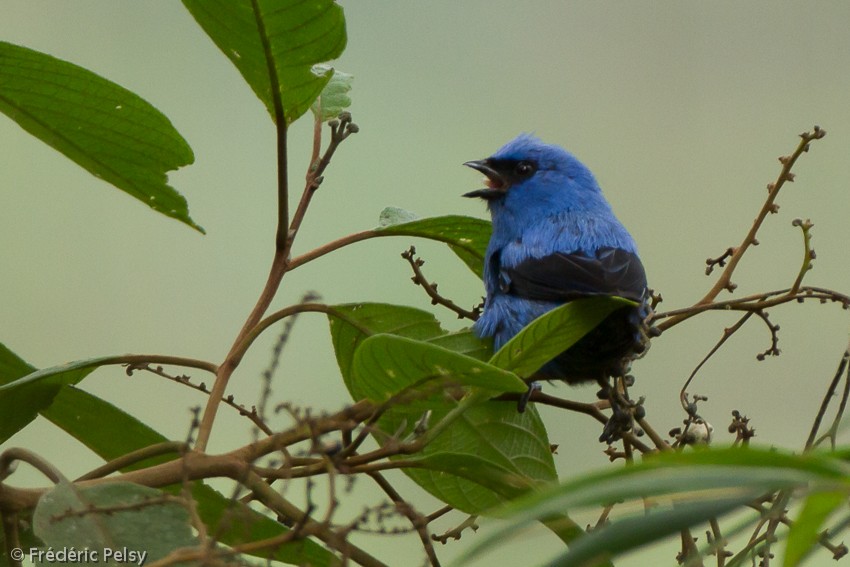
(680, 109)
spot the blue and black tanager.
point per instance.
(555, 239)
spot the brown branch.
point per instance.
(711, 263)
(335, 245)
(439, 513)
(9, 456)
(186, 380)
(417, 520)
(830, 392)
(769, 206)
(134, 457)
(341, 129)
(773, 349)
(457, 531)
(592, 410)
(755, 302)
(431, 288)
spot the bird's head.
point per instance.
(527, 173)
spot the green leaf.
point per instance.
(24, 392)
(106, 129)
(385, 365)
(118, 517)
(334, 98)
(805, 531)
(352, 323)
(235, 523)
(513, 445)
(554, 332)
(395, 215)
(287, 36)
(465, 342)
(510, 449)
(466, 236)
(696, 480)
(502, 478)
(93, 422)
(631, 533)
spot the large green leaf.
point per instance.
(108, 130)
(465, 342)
(276, 45)
(352, 323)
(514, 446)
(466, 236)
(554, 332)
(135, 522)
(385, 365)
(93, 422)
(704, 484)
(511, 450)
(492, 437)
(24, 392)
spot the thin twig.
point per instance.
(417, 520)
(727, 332)
(185, 380)
(133, 457)
(808, 253)
(431, 288)
(9, 456)
(769, 206)
(335, 245)
(588, 409)
(341, 129)
(457, 531)
(827, 398)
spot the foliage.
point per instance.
(439, 404)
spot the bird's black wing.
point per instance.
(566, 276)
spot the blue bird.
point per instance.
(556, 239)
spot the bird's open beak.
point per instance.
(496, 183)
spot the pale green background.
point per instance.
(679, 108)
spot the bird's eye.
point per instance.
(525, 169)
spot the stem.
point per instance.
(830, 392)
(225, 371)
(333, 245)
(280, 128)
(282, 243)
(134, 457)
(728, 332)
(261, 326)
(805, 227)
(134, 359)
(9, 456)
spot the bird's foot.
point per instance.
(523, 401)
